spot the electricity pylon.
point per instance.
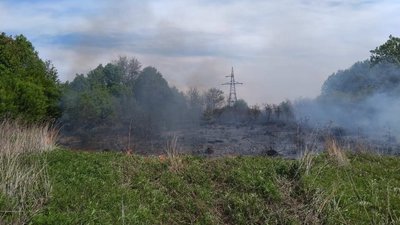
(232, 89)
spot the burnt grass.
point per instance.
(275, 138)
(117, 188)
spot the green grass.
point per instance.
(111, 188)
(365, 192)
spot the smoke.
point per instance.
(363, 98)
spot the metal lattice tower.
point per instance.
(232, 89)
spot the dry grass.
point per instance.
(18, 137)
(336, 152)
(24, 182)
(308, 151)
(292, 205)
(173, 155)
(306, 160)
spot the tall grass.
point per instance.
(24, 182)
(173, 156)
(336, 152)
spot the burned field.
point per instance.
(286, 139)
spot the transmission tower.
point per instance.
(232, 89)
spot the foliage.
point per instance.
(29, 87)
(214, 99)
(195, 105)
(241, 105)
(352, 98)
(362, 81)
(389, 52)
(118, 95)
(286, 110)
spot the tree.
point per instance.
(360, 82)
(268, 111)
(254, 112)
(214, 99)
(130, 68)
(240, 106)
(277, 111)
(195, 104)
(287, 109)
(151, 89)
(388, 52)
(194, 99)
(29, 87)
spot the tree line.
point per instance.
(122, 93)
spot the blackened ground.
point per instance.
(270, 139)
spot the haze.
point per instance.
(279, 49)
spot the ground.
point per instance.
(287, 139)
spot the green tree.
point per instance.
(360, 82)
(388, 52)
(29, 87)
(130, 67)
(153, 95)
(119, 96)
(151, 89)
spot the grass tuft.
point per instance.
(24, 181)
(173, 154)
(336, 152)
(306, 161)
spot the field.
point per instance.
(113, 188)
(45, 184)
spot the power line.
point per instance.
(232, 89)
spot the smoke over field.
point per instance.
(121, 106)
(124, 106)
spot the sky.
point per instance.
(279, 49)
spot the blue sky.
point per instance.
(279, 49)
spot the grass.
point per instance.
(336, 152)
(366, 191)
(24, 182)
(173, 154)
(107, 188)
(110, 188)
(39, 186)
